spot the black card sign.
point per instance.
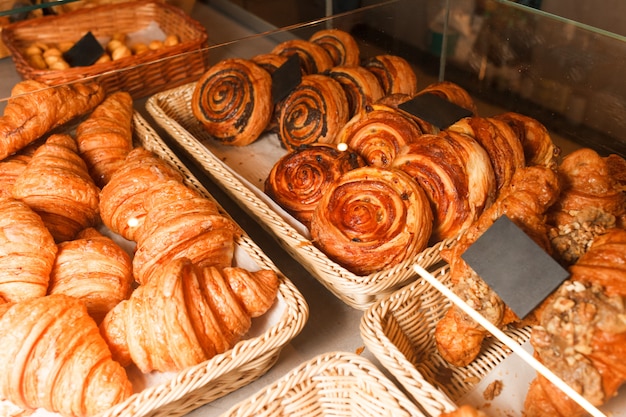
(286, 77)
(86, 51)
(435, 110)
(514, 266)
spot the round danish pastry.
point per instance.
(339, 44)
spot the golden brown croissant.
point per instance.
(121, 200)
(464, 411)
(372, 218)
(378, 133)
(313, 112)
(10, 168)
(457, 176)
(105, 138)
(300, 178)
(314, 58)
(233, 101)
(360, 85)
(340, 45)
(53, 357)
(524, 201)
(94, 269)
(395, 74)
(452, 92)
(28, 251)
(187, 314)
(57, 186)
(581, 335)
(35, 108)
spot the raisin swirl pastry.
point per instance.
(372, 219)
(378, 133)
(340, 45)
(394, 73)
(457, 176)
(314, 59)
(233, 101)
(313, 112)
(360, 85)
(301, 177)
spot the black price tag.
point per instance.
(86, 51)
(514, 266)
(435, 110)
(286, 77)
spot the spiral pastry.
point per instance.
(456, 174)
(340, 45)
(314, 59)
(360, 85)
(378, 133)
(300, 178)
(313, 112)
(371, 219)
(394, 73)
(233, 101)
(269, 62)
(453, 93)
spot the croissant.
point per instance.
(395, 74)
(187, 314)
(452, 92)
(499, 140)
(464, 411)
(372, 218)
(11, 167)
(105, 138)
(121, 200)
(378, 133)
(46, 366)
(35, 108)
(314, 58)
(457, 176)
(28, 251)
(524, 201)
(360, 85)
(581, 335)
(300, 178)
(313, 112)
(340, 45)
(94, 269)
(57, 186)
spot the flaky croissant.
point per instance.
(35, 109)
(187, 314)
(581, 335)
(53, 357)
(28, 250)
(464, 411)
(11, 168)
(94, 269)
(57, 186)
(105, 137)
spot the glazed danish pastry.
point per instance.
(371, 219)
(395, 74)
(301, 177)
(314, 59)
(360, 85)
(233, 101)
(340, 45)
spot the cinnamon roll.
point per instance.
(394, 73)
(360, 85)
(339, 44)
(233, 101)
(378, 133)
(313, 112)
(453, 93)
(300, 178)
(371, 219)
(314, 59)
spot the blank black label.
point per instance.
(286, 77)
(85, 52)
(435, 110)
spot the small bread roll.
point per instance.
(104, 58)
(33, 50)
(139, 48)
(171, 40)
(65, 46)
(121, 52)
(37, 61)
(155, 44)
(59, 65)
(114, 44)
(52, 52)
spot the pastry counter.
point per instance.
(336, 320)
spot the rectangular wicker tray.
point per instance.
(176, 394)
(243, 181)
(399, 331)
(140, 75)
(333, 384)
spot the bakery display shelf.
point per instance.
(330, 384)
(230, 167)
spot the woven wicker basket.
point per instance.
(172, 110)
(140, 75)
(333, 384)
(399, 330)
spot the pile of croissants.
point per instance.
(375, 185)
(107, 257)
